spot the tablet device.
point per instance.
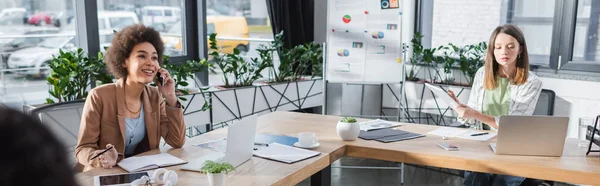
(118, 179)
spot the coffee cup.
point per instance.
(307, 138)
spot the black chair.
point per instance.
(544, 107)
(63, 119)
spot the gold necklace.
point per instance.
(135, 113)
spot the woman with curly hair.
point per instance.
(129, 115)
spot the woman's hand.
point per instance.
(168, 87)
(463, 110)
(108, 159)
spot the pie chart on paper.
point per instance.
(347, 18)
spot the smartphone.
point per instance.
(160, 79)
(118, 179)
(448, 146)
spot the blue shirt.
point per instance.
(136, 131)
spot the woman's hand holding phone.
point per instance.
(167, 86)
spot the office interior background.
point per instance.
(562, 38)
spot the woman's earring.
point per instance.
(519, 56)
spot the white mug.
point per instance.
(307, 138)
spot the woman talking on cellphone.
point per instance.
(504, 86)
(129, 115)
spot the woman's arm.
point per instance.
(89, 131)
(469, 113)
(172, 125)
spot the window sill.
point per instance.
(545, 72)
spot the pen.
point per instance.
(261, 144)
(479, 134)
(106, 150)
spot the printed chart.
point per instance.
(364, 41)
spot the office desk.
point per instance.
(572, 167)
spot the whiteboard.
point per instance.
(364, 41)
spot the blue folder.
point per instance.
(269, 138)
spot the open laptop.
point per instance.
(531, 135)
(239, 148)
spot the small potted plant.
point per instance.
(216, 172)
(348, 129)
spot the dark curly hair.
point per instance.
(123, 43)
(31, 153)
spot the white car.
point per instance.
(116, 20)
(38, 57)
(160, 17)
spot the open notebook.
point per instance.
(284, 153)
(462, 133)
(142, 163)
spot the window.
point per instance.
(32, 31)
(118, 23)
(101, 24)
(241, 24)
(560, 35)
(535, 18)
(586, 32)
(168, 13)
(159, 14)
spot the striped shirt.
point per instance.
(523, 98)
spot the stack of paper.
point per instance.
(284, 153)
(142, 163)
(462, 133)
(376, 124)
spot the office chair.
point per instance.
(63, 119)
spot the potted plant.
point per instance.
(216, 172)
(72, 74)
(474, 59)
(348, 129)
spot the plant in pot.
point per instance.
(348, 129)
(474, 59)
(216, 172)
(72, 74)
(244, 73)
(416, 58)
(184, 71)
(448, 62)
(301, 60)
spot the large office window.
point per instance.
(166, 16)
(586, 32)
(560, 35)
(535, 18)
(31, 31)
(241, 24)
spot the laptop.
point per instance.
(239, 148)
(531, 135)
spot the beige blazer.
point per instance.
(103, 122)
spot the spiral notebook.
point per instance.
(142, 163)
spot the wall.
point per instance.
(575, 99)
(464, 21)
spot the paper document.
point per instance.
(442, 95)
(376, 124)
(284, 153)
(462, 133)
(142, 163)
